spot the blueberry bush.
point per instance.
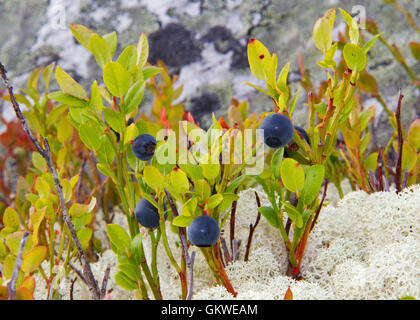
(102, 153)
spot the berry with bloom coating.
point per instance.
(147, 214)
(278, 130)
(203, 231)
(144, 146)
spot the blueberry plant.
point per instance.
(166, 174)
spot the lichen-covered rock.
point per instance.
(205, 43)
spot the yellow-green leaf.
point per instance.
(153, 177)
(259, 58)
(354, 57)
(68, 85)
(11, 218)
(292, 175)
(33, 258)
(116, 79)
(322, 31)
(142, 50)
(100, 49)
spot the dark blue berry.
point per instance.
(147, 214)
(144, 146)
(203, 231)
(278, 130)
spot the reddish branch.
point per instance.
(400, 144)
(252, 228)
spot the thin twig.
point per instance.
(191, 276)
(12, 284)
(226, 253)
(46, 153)
(182, 235)
(72, 288)
(232, 225)
(79, 181)
(320, 205)
(400, 144)
(105, 282)
(252, 228)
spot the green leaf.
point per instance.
(413, 135)
(202, 189)
(84, 236)
(67, 99)
(100, 49)
(292, 175)
(322, 31)
(105, 170)
(415, 49)
(259, 58)
(189, 207)
(182, 221)
(64, 130)
(293, 214)
(228, 199)
(78, 210)
(111, 38)
(82, 34)
(153, 177)
(126, 283)
(131, 132)
(133, 97)
(96, 101)
(118, 237)
(38, 161)
(33, 258)
(179, 180)
(68, 85)
(355, 57)
(11, 218)
(131, 271)
(371, 42)
(211, 171)
(90, 134)
(313, 183)
(270, 215)
(116, 79)
(276, 161)
(114, 119)
(353, 27)
(128, 58)
(142, 50)
(150, 71)
(215, 200)
(42, 187)
(136, 247)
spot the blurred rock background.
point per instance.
(204, 41)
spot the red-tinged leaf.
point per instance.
(29, 283)
(223, 123)
(288, 295)
(164, 119)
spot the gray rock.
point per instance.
(206, 43)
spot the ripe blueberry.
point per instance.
(278, 130)
(147, 214)
(144, 146)
(203, 231)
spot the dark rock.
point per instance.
(204, 104)
(174, 45)
(224, 42)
